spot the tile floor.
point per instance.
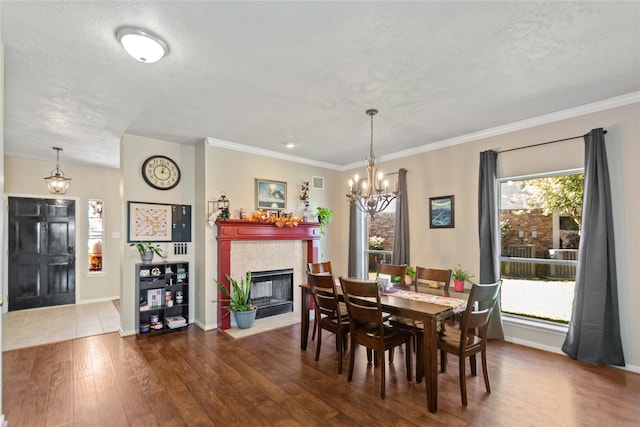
(26, 328)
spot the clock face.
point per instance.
(161, 172)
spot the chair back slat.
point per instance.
(319, 267)
(395, 270)
(362, 311)
(439, 276)
(323, 289)
(481, 301)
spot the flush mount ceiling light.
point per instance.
(57, 183)
(142, 44)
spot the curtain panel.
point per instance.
(594, 330)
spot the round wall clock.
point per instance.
(161, 172)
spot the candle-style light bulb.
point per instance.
(350, 185)
(386, 186)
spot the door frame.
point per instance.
(5, 243)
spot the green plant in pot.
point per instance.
(147, 250)
(325, 215)
(460, 276)
(238, 299)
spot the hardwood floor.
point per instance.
(208, 379)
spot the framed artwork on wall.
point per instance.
(271, 195)
(149, 222)
(441, 212)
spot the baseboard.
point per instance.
(126, 333)
(92, 301)
(205, 327)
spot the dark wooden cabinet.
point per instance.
(162, 291)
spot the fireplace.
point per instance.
(272, 292)
(268, 243)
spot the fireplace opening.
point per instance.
(272, 292)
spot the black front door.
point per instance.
(41, 252)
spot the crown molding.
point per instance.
(213, 142)
(594, 107)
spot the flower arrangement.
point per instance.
(278, 221)
(376, 243)
(304, 195)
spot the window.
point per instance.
(96, 234)
(540, 219)
(380, 234)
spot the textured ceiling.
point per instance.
(265, 73)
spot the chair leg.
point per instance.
(318, 344)
(463, 381)
(352, 354)
(408, 357)
(443, 361)
(369, 353)
(391, 353)
(382, 376)
(472, 363)
(419, 358)
(484, 371)
(340, 352)
(313, 334)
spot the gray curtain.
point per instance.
(594, 330)
(356, 259)
(401, 229)
(489, 232)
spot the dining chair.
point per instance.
(432, 281)
(395, 270)
(329, 314)
(471, 337)
(318, 267)
(367, 327)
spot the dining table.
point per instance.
(413, 305)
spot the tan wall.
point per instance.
(454, 170)
(86, 183)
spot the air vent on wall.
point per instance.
(317, 182)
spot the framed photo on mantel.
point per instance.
(441, 212)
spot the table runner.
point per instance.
(458, 305)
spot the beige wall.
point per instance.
(86, 183)
(454, 170)
(133, 151)
(234, 172)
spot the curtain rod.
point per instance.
(544, 143)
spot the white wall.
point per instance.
(86, 183)
(133, 152)
(454, 170)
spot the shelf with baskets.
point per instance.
(162, 292)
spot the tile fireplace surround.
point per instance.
(257, 245)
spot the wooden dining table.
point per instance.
(429, 313)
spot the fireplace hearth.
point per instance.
(272, 292)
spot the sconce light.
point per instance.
(218, 209)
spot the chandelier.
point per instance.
(57, 183)
(372, 194)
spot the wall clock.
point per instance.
(161, 172)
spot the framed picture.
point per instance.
(149, 222)
(273, 213)
(441, 212)
(271, 195)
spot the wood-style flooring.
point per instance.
(209, 379)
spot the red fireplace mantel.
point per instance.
(234, 230)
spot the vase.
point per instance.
(244, 319)
(147, 257)
(458, 285)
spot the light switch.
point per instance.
(534, 234)
(520, 233)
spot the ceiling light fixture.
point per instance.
(57, 183)
(142, 44)
(372, 195)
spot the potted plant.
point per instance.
(459, 276)
(411, 275)
(325, 215)
(239, 302)
(147, 250)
